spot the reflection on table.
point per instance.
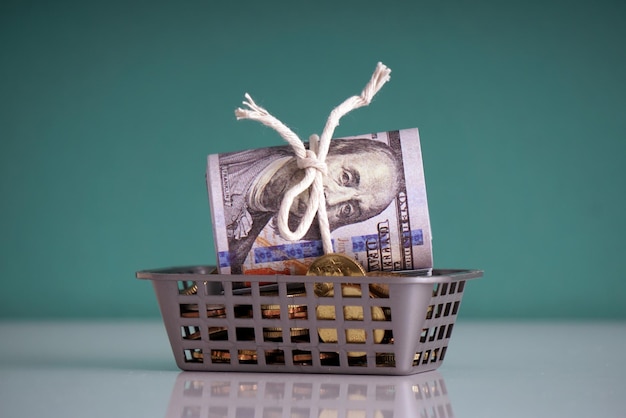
(247, 395)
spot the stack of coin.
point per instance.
(218, 333)
(350, 313)
(192, 310)
(190, 334)
(297, 335)
(272, 311)
(386, 359)
(382, 290)
(223, 356)
(302, 358)
(220, 356)
(247, 356)
(191, 290)
(189, 310)
(274, 334)
(295, 311)
(341, 265)
(197, 356)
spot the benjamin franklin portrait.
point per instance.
(363, 178)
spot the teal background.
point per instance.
(108, 110)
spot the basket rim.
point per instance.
(209, 273)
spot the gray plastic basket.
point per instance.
(272, 324)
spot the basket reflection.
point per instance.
(268, 395)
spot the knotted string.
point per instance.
(313, 160)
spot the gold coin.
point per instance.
(246, 355)
(302, 358)
(192, 290)
(298, 332)
(358, 355)
(348, 290)
(322, 288)
(220, 356)
(328, 356)
(224, 355)
(334, 264)
(273, 334)
(298, 313)
(356, 336)
(270, 311)
(294, 311)
(350, 313)
(328, 335)
(218, 333)
(216, 311)
(387, 359)
(195, 336)
(213, 311)
(379, 289)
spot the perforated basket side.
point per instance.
(212, 327)
(410, 302)
(440, 319)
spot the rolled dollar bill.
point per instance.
(375, 198)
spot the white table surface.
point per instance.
(492, 369)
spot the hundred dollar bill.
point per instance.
(375, 197)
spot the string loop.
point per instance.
(313, 160)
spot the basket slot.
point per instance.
(275, 357)
(449, 332)
(444, 289)
(385, 359)
(455, 307)
(436, 333)
(244, 334)
(218, 333)
(186, 287)
(243, 311)
(329, 358)
(193, 355)
(190, 332)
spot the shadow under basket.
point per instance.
(391, 325)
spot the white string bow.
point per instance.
(312, 161)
